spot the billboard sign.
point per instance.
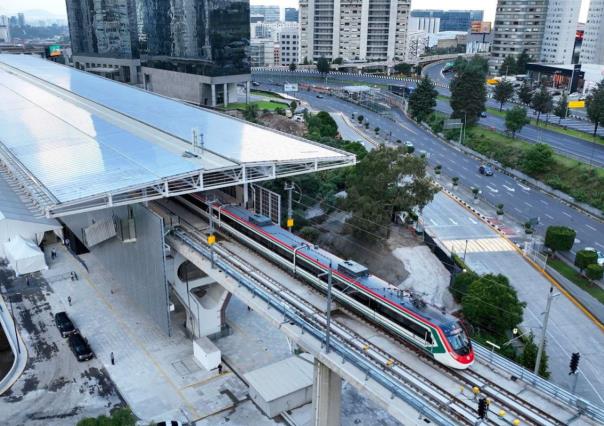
(480, 27)
(290, 87)
(54, 50)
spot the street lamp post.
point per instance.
(12, 314)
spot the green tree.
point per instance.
(250, 113)
(504, 91)
(529, 357)
(522, 61)
(525, 93)
(538, 159)
(595, 106)
(584, 258)
(508, 66)
(323, 65)
(383, 183)
(292, 106)
(338, 61)
(468, 92)
(594, 271)
(305, 62)
(492, 304)
(423, 100)
(119, 417)
(516, 119)
(461, 283)
(561, 108)
(293, 66)
(560, 238)
(542, 102)
(403, 68)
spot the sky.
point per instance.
(58, 6)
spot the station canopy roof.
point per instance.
(80, 142)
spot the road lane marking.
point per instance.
(599, 245)
(492, 189)
(509, 189)
(433, 222)
(566, 214)
(544, 202)
(591, 227)
(518, 210)
(526, 188)
(452, 221)
(549, 217)
(472, 220)
(528, 204)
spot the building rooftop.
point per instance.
(81, 142)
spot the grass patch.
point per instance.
(262, 105)
(584, 183)
(572, 275)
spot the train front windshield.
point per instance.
(459, 340)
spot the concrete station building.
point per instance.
(92, 153)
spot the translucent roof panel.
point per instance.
(234, 139)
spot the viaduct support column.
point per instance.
(327, 396)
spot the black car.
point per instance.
(64, 324)
(80, 348)
(483, 114)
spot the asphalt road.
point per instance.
(575, 147)
(487, 252)
(520, 202)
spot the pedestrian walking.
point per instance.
(27, 280)
(219, 368)
(112, 359)
(69, 300)
(53, 254)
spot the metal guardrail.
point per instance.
(585, 407)
(371, 370)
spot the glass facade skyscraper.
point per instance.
(451, 20)
(203, 37)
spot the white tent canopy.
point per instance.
(16, 220)
(24, 256)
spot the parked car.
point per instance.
(64, 324)
(320, 96)
(80, 348)
(483, 114)
(599, 253)
(255, 83)
(486, 169)
(169, 423)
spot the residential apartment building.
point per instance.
(4, 29)
(560, 31)
(592, 48)
(289, 43)
(354, 30)
(195, 50)
(451, 20)
(519, 26)
(270, 13)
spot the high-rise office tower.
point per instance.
(189, 49)
(560, 31)
(519, 26)
(270, 13)
(451, 20)
(291, 14)
(366, 30)
(21, 19)
(592, 49)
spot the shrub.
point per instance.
(560, 238)
(584, 258)
(360, 118)
(594, 271)
(310, 234)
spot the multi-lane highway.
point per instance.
(520, 201)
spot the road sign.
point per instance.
(576, 104)
(452, 124)
(290, 87)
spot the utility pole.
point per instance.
(550, 297)
(328, 331)
(290, 220)
(211, 237)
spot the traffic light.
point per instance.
(574, 362)
(483, 406)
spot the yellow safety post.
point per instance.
(211, 239)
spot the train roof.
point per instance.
(376, 284)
